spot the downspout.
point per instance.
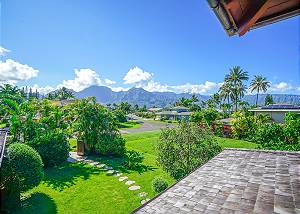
(222, 15)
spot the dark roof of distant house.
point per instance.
(236, 181)
(278, 107)
(180, 107)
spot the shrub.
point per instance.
(9, 186)
(291, 128)
(52, 146)
(207, 116)
(184, 148)
(243, 127)
(27, 164)
(110, 144)
(133, 159)
(97, 127)
(120, 116)
(159, 184)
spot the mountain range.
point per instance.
(142, 97)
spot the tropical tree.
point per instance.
(225, 91)
(269, 99)
(64, 93)
(259, 84)
(194, 99)
(235, 78)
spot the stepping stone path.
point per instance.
(129, 182)
(73, 157)
(134, 187)
(101, 165)
(110, 172)
(142, 194)
(123, 178)
(108, 168)
(118, 174)
(145, 200)
(94, 163)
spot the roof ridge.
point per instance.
(263, 150)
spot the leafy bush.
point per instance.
(110, 144)
(120, 116)
(207, 116)
(280, 136)
(184, 148)
(52, 146)
(159, 184)
(27, 165)
(291, 128)
(97, 127)
(133, 159)
(243, 127)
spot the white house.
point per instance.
(277, 111)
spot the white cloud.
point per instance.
(12, 71)
(136, 75)
(281, 87)
(3, 51)
(153, 86)
(109, 82)
(206, 88)
(83, 78)
(118, 89)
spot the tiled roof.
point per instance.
(236, 181)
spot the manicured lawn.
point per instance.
(80, 188)
(233, 143)
(129, 125)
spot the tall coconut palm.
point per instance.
(225, 91)
(259, 84)
(236, 75)
(235, 78)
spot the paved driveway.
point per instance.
(147, 126)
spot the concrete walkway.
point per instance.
(147, 126)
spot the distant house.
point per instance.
(154, 110)
(277, 111)
(175, 113)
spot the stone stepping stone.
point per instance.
(94, 163)
(129, 182)
(123, 178)
(145, 200)
(109, 167)
(110, 172)
(71, 160)
(100, 165)
(118, 174)
(142, 194)
(134, 187)
(88, 161)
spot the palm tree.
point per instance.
(194, 98)
(225, 91)
(235, 79)
(236, 75)
(259, 83)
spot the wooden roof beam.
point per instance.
(252, 15)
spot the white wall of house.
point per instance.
(277, 117)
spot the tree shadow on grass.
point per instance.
(118, 164)
(37, 203)
(65, 176)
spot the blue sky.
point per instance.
(169, 45)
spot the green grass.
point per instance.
(129, 125)
(79, 188)
(234, 143)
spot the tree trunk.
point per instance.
(257, 98)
